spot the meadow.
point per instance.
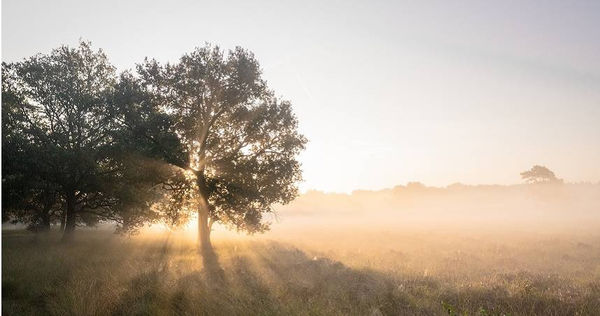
(264, 158)
(412, 270)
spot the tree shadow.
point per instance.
(234, 289)
(215, 274)
(275, 279)
(269, 279)
(146, 293)
(260, 278)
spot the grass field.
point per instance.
(370, 272)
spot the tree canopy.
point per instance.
(241, 141)
(539, 174)
(205, 135)
(62, 138)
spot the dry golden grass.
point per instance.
(306, 272)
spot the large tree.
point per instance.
(240, 140)
(65, 126)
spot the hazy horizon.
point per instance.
(449, 149)
(386, 93)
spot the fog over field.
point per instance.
(502, 214)
(519, 249)
(531, 249)
(254, 157)
(457, 203)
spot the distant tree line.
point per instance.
(82, 144)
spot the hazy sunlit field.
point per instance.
(300, 157)
(308, 270)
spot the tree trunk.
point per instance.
(63, 219)
(69, 227)
(203, 229)
(42, 227)
(70, 218)
(203, 214)
(45, 224)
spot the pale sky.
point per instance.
(386, 92)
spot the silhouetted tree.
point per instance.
(71, 143)
(539, 174)
(148, 135)
(241, 142)
(26, 196)
(204, 134)
(64, 116)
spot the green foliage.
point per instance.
(25, 194)
(240, 140)
(67, 154)
(84, 145)
(62, 119)
(450, 309)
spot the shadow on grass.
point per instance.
(214, 272)
(276, 279)
(265, 279)
(258, 278)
